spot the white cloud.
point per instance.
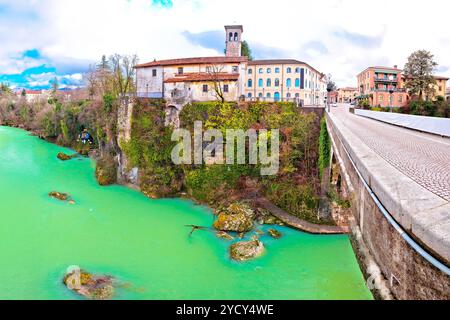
(355, 33)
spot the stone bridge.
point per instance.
(398, 182)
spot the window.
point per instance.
(288, 95)
(208, 69)
(268, 95)
(250, 71)
(289, 70)
(235, 37)
(269, 83)
(260, 70)
(297, 70)
(297, 95)
(260, 83)
(250, 83)
(230, 37)
(180, 70)
(205, 88)
(288, 82)
(277, 82)
(297, 83)
(269, 70)
(277, 70)
(225, 88)
(400, 98)
(260, 95)
(235, 69)
(154, 72)
(381, 97)
(249, 95)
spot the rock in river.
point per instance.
(90, 286)
(59, 195)
(224, 235)
(274, 233)
(246, 250)
(237, 218)
(64, 157)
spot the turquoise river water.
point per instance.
(142, 242)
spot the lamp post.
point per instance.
(328, 99)
(391, 92)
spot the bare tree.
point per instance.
(215, 72)
(123, 73)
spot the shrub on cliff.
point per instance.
(106, 171)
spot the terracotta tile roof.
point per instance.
(188, 61)
(197, 77)
(281, 61)
(348, 89)
(274, 61)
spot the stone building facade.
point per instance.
(231, 77)
(285, 80)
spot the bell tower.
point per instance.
(233, 41)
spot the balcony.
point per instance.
(388, 89)
(386, 79)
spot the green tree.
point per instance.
(419, 73)
(4, 88)
(55, 85)
(246, 51)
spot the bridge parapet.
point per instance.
(411, 212)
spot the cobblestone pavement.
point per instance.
(424, 158)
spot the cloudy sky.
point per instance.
(44, 39)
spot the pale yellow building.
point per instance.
(347, 94)
(284, 80)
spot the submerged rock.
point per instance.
(90, 286)
(224, 235)
(274, 233)
(59, 195)
(246, 250)
(237, 217)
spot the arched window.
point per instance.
(260, 70)
(260, 95)
(235, 37)
(268, 95)
(249, 95)
(260, 83)
(297, 83)
(250, 71)
(276, 96)
(250, 83)
(297, 70)
(289, 70)
(288, 82)
(269, 82)
(277, 70)
(277, 82)
(230, 37)
(269, 70)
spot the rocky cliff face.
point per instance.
(125, 175)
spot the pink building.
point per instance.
(382, 86)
